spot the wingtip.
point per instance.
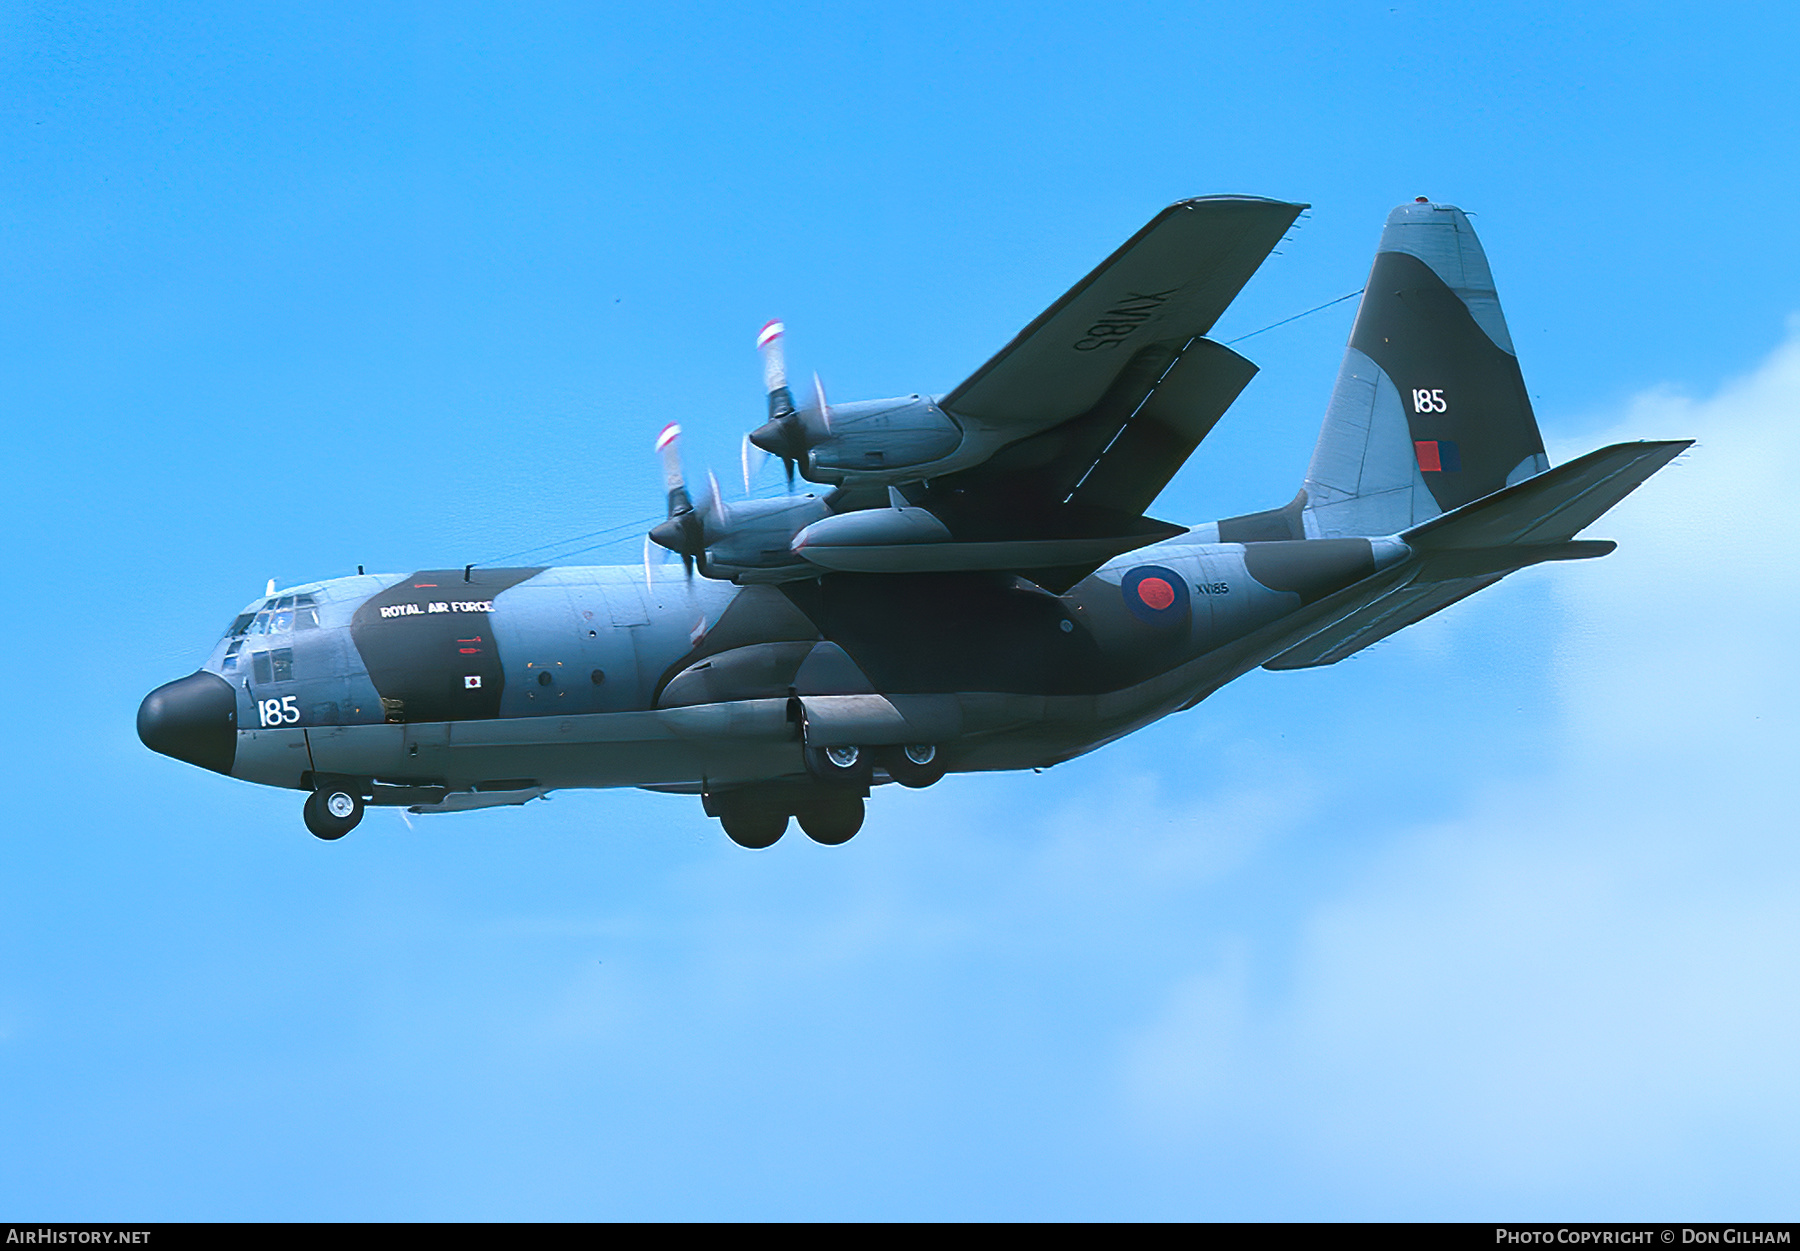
(1201, 200)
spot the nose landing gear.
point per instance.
(332, 812)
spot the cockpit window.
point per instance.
(278, 616)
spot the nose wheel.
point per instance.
(332, 812)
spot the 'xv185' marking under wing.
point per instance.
(976, 583)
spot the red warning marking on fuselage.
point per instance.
(476, 639)
(420, 586)
(1156, 593)
(1428, 456)
(469, 651)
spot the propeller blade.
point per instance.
(753, 458)
(649, 579)
(668, 446)
(720, 510)
(785, 434)
(774, 363)
(824, 408)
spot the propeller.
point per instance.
(689, 526)
(685, 530)
(789, 432)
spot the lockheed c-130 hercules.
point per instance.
(979, 587)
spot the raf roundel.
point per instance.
(1156, 595)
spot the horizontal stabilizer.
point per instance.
(1551, 508)
(1409, 603)
(1474, 546)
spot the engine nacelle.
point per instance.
(874, 436)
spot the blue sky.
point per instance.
(1495, 920)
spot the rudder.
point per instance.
(1430, 410)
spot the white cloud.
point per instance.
(1584, 991)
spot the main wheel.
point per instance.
(915, 764)
(847, 765)
(332, 812)
(754, 830)
(832, 818)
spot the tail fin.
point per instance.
(1430, 410)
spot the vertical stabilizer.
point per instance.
(1430, 410)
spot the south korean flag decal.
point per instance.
(1156, 595)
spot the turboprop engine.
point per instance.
(834, 444)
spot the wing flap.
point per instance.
(1181, 411)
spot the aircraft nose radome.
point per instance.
(192, 719)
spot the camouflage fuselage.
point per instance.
(539, 679)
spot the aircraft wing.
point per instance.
(1052, 452)
(1167, 285)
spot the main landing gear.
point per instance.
(910, 764)
(757, 816)
(829, 807)
(332, 812)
